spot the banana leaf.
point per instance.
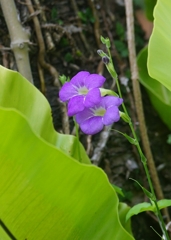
(159, 95)
(159, 56)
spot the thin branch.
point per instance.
(138, 99)
(41, 55)
(48, 37)
(98, 151)
(96, 23)
(19, 38)
(65, 118)
(76, 10)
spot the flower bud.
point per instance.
(100, 52)
(124, 117)
(105, 41)
(63, 79)
(105, 60)
(108, 43)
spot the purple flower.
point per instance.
(82, 91)
(106, 112)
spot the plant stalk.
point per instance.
(77, 136)
(19, 38)
(158, 213)
(138, 101)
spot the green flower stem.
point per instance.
(154, 200)
(77, 136)
(143, 159)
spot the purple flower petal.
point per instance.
(84, 115)
(94, 81)
(92, 125)
(111, 101)
(92, 98)
(112, 115)
(80, 78)
(75, 105)
(67, 91)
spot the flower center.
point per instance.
(100, 112)
(82, 91)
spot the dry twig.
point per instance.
(75, 7)
(48, 37)
(42, 81)
(98, 151)
(65, 118)
(41, 43)
(96, 23)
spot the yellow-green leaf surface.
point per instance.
(44, 193)
(141, 207)
(145, 206)
(17, 93)
(159, 95)
(123, 210)
(159, 55)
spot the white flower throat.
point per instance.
(99, 111)
(82, 90)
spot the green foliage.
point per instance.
(54, 13)
(68, 57)
(149, 7)
(169, 139)
(60, 22)
(130, 139)
(121, 48)
(159, 57)
(146, 192)
(138, 3)
(120, 43)
(63, 79)
(159, 95)
(64, 42)
(46, 192)
(78, 53)
(128, 195)
(123, 210)
(54, 16)
(109, 92)
(139, 37)
(120, 31)
(86, 16)
(118, 190)
(143, 207)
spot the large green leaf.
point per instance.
(141, 207)
(16, 92)
(123, 211)
(145, 206)
(159, 57)
(44, 193)
(149, 7)
(159, 95)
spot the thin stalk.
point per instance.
(77, 136)
(158, 213)
(139, 104)
(117, 82)
(19, 38)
